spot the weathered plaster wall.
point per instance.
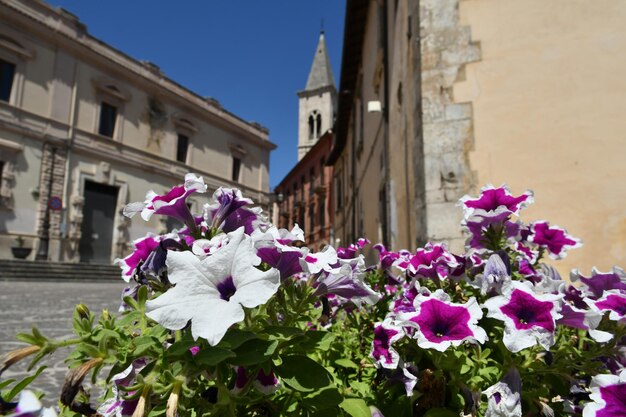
(441, 153)
(549, 101)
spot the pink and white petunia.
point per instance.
(324, 260)
(585, 319)
(492, 198)
(385, 334)
(608, 395)
(441, 323)
(486, 227)
(552, 238)
(230, 211)
(347, 283)
(613, 301)
(30, 406)
(142, 248)
(434, 261)
(173, 203)
(504, 399)
(213, 291)
(528, 318)
(599, 282)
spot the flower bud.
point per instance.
(83, 311)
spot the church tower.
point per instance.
(317, 101)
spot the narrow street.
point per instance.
(49, 306)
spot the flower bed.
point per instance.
(231, 316)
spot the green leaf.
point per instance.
(346, 363)
(440, 412)
(356, 407)
(465, 369)
(316, 340)
(6, 383)
(142, 295)
(26, 338)
(324, 398)
(235, 338)
(254, 352)
(282, 333)
(212, 355)
(303, 374)
(22, 384)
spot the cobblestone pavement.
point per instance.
(49, 306)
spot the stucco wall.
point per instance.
(549, 101)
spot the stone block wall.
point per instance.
(441, 147)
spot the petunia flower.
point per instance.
(488, 229)
(212, 292)
(504, 398)
(492, 198)
(585, 319)
(441, 323)
(553, 238)
(434, 261)
(608, 393)
(612, 301)
(320, 261)
(273, 247)
(528, 318)
(347, 283)
(229, 211)
(30, 406)
(493, 277)
(142, 248)
(385, 334)
(598, 282)
(172, 204)
(266, 383)
(117, 405)
(406, 374)
(352, 249)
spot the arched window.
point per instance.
(315, 125)
(318, 125)
(311, 127)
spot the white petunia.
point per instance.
(213, 291)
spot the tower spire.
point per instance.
(321, 74)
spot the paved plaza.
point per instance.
(49, 306)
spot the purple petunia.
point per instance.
(528, 318)
(172, 204)
(504, 398)
(614, 302)
(492, 198)
(599, 282)
(552, 238)
(386, 333)
(440, 323)
(608, 393)
(435, 262)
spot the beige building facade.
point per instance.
(94, 128)
(527, 93)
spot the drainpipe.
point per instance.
(386, 239)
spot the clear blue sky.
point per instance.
(253, 56)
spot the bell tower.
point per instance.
(317, 102)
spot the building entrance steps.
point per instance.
(13, 270)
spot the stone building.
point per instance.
(86, 129)
(304, 195)
(528, 93)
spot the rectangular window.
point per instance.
(322, 212)
(312, 181)
(181, 148)
(312, 218)
(236, 168)
(7, 73)
(108, 115)
(1, 172)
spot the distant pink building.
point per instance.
(306, 195)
